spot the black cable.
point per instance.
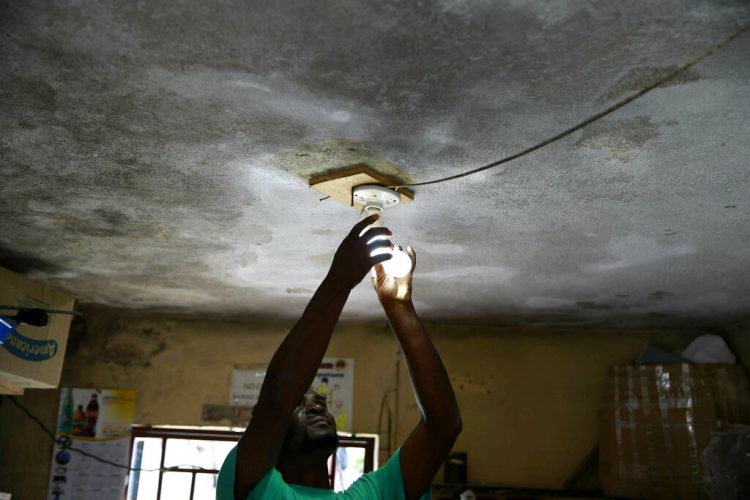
(50, 311)
(384, 406)
(34, 418)
(64, 442)
(588, 120)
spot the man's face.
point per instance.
(312, 426)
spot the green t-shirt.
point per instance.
(385, 483)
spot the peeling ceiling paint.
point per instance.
(156, 155)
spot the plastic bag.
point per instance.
(709, 349)
(468, 495)
(727, 464)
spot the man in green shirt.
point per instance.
(284, 451)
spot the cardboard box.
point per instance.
(33, 357)
(655, 420)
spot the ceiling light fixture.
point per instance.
(363, 188)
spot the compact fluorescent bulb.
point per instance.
(399, 265)
(375, 199)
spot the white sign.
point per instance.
(334, 380)
(246, 384)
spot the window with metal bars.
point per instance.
(187, 461)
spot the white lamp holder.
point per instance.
(375, 198)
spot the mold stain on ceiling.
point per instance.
(157, 156)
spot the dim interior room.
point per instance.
(529, 396)
(573, 177)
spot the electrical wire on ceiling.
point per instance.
(589, 120)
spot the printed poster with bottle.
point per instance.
(334, 380)
(97, 421)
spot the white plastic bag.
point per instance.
(709, 349)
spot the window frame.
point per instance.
(165, 433)
(196, 433)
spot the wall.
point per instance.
(738, 338)
(528, 396)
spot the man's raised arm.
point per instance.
(295, 363)
(440, 424)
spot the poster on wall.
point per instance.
(334, 380)
(246, 383)
(97, 421)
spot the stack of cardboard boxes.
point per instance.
(656, 420)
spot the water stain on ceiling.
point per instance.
(157, 156)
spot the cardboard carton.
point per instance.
(655, 420)
(33, 356)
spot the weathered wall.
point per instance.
(25, 450)
(738, 338)
(529, 397)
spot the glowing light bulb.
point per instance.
(374, 199)
(399, 265)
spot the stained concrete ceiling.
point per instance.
(156, 155)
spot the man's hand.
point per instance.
(392, 290)
(353, 258)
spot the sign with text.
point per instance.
(334, 380)
(246, 384)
